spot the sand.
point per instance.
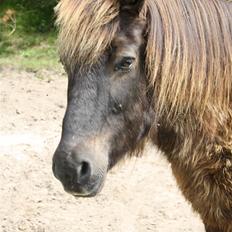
(140, 195)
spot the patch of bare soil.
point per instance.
(140, 195)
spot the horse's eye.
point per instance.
(116, 108)
(125, 64)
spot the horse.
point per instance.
(157, 70)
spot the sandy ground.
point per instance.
(140, 195)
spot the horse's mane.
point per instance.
(189, 48)
(189, 54)
(87, 28)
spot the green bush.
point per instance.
(32, 16)
(38, 16)
(25, 24)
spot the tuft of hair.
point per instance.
(189, 57)
(188, 51)
(87, 28)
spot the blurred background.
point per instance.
(27, 33)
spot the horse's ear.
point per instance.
(133, 7)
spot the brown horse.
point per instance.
(149, 69)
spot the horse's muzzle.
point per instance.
(78, 173)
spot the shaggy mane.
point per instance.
(87, 28)
(188, 55)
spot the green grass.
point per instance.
(25, 42)
(29, 51)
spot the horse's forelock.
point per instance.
(86, 28)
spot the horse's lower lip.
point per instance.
(78, 195)
(84, 192)
(89, 189)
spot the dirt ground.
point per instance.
(140, 195)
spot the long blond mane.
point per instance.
(87, 28)
(188, 54)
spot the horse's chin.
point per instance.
(84, 194)
(89, 195)
(90, 191)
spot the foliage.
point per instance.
(33, 58)
(27, 34)
(32, 16)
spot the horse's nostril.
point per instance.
(85, 169)
(83, 172)
(74, 170)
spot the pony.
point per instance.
(158, 70)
